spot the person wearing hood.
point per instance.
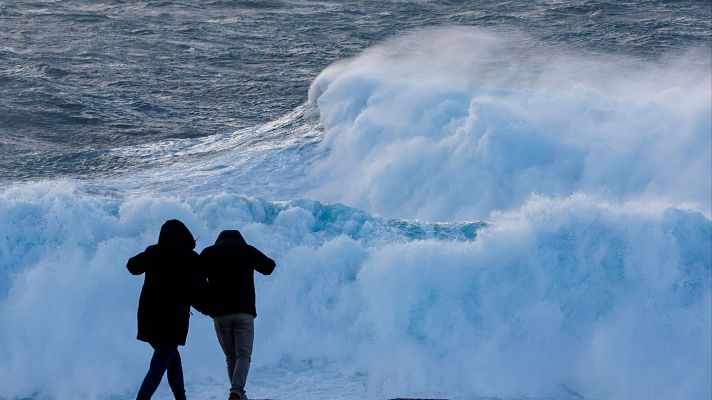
(172, 283)
(229, 265)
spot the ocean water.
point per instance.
(465, 200)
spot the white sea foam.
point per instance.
(456, 123)
(590, 279)
(608, 300)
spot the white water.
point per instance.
(591, 278)
(458, 123)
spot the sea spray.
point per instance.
(608, 299)
(455, 123)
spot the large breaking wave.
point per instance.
(458, 123)
(590, 277)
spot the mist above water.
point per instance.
(455, 123)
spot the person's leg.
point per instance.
(244, 337)
(162, 357)
(175, 377)
(224, 331)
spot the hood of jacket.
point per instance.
(230, 235)
(175, 232)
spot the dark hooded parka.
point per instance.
(172, 284)
(229, 265)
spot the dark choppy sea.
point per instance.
(80, 77)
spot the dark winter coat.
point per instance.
(229, 265)
(172, 284)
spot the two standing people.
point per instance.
(218, 283)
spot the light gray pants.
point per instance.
(236, 333)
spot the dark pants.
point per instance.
(165, 358)
(236, 333)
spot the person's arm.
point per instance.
(260, 262)
(201, 298)
(138, 264)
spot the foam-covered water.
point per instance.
(467, 122)
(455, 212)
(607, 300)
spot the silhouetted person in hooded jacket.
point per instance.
(171, 285)
(229, 265)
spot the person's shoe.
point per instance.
(233, 396)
